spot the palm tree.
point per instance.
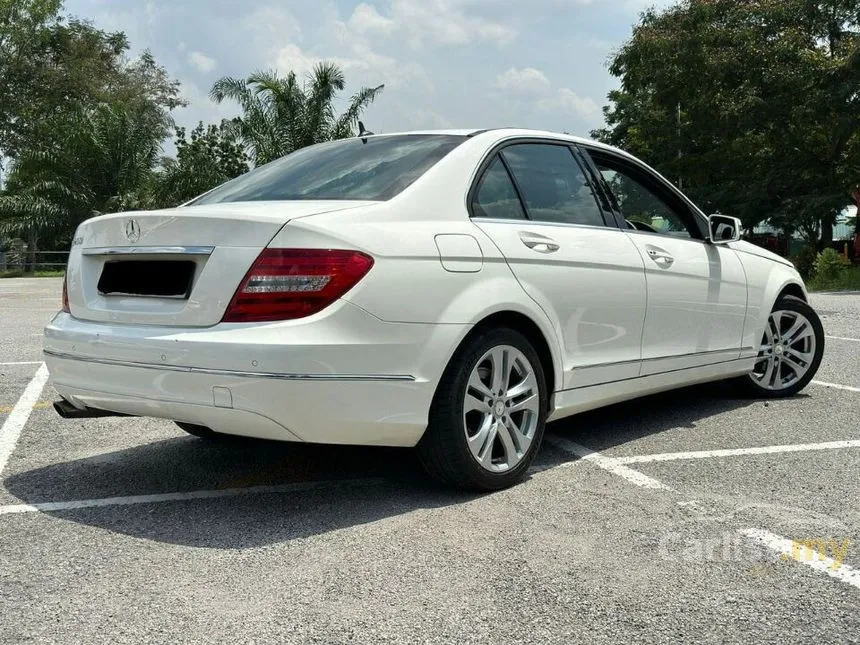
(280, 115)
(100, 161)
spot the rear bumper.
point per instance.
(345, 377)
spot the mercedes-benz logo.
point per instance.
(132, 230)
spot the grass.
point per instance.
(847, 280)
(18, 273)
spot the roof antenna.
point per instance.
(362, 133)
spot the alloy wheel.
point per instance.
(501, 410)
(787, 350)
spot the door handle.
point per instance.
(539, 243)
(660, 256)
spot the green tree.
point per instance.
(211, 156)
(280, 115)
(52, 66)
(101, 162)
(754, 106)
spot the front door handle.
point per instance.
(661, 257)
(539, 243)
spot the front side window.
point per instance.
(552, 185)
(640, 206)
(373, 168)
(496, 196)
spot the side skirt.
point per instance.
(569, 402)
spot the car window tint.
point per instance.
(552, 184)
(372, 168)
(496, 196)
(642, 209)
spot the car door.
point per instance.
(534, 200)
(697, 291)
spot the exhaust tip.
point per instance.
(69, 411)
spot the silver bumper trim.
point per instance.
(232, 373)
(148, 250)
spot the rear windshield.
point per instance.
(374, 168)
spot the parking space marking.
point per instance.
(22, 363)
(837, 386)
(735, 452)
(788, 550)
(607, 463)
(17, 419)
(300, 487)
(853, 340)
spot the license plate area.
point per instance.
(147, 278)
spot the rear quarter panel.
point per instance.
(408, 283)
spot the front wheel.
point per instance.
(790, 351)
(487, 418)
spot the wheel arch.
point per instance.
(792, 289)
(525, 325)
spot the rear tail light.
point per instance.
(284, 284)
(66, 296)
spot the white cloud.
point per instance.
(365, 18)
(528, 79)
(440, 22)
(202, 62)
(374, 68)
(567, 101)
(272, 21)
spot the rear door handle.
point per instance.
(539, 243)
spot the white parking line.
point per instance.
(17, 418)
(819, 561)
(47, 507)
(735, 452)
(853, 340)
(837, 386)
(607, 463)
(22, 363)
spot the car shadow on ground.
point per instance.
(390, 481)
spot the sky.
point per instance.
(445, 63)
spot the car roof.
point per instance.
(504, 133)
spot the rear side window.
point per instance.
(496, 196)
(374, 168)
(553, 186)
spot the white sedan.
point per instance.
(451, 291)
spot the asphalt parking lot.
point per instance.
(679, 517)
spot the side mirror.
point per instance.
(724, 229)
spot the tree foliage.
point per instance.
(52, 67)
(280, 114)
(752, 105)
(82, 124)
(211, 156)
(100, 162)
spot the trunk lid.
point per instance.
(178, 267)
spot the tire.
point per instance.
(789, 357)
(201, 432)
(488, 443)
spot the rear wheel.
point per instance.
(789, 353)
(487, 418)
(198, 431)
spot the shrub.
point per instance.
(804, 261)
(830, 267)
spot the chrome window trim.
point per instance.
(148, 250)
(231, 373)
(533, 222)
